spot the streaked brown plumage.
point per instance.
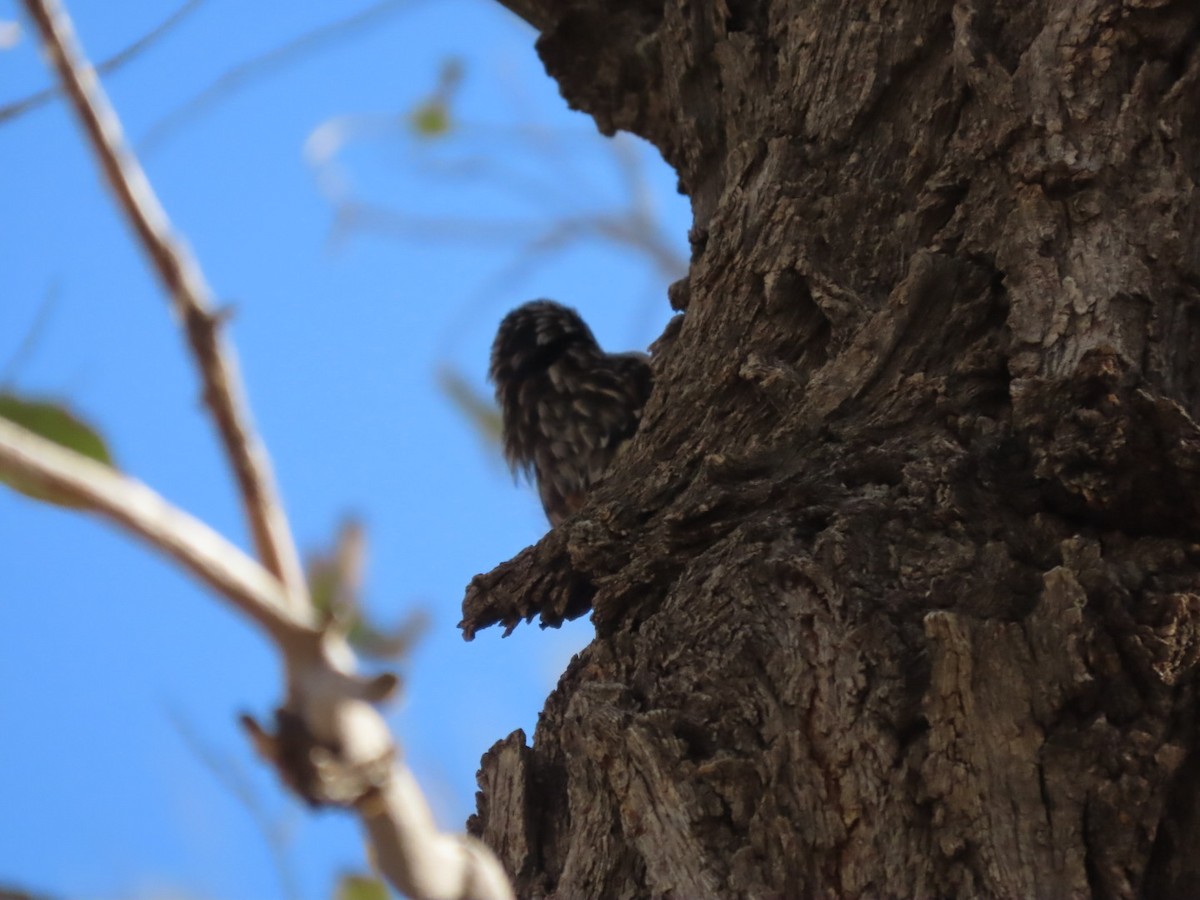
(567, 405)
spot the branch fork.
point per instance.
(329, 742)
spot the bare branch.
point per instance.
(331, 743)
(192, 298)
(241, 75)
(32, 337)
(438, 865)
(18, 107)
(635, 225)
(333, 704)
(139, 510)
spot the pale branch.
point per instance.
(192, 298)
(415, 857)
(334, 748)
(98, 488)
(331, 744)
(333, 703)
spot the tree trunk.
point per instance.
(897, 589)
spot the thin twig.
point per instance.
(114, 62)
(230, 776)
(241, 75)
(101, 489)
(192, 298)
(332, 743)
(411, 852)
(31, 339)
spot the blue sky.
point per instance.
(110, 658)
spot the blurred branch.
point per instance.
(330, 744)
(258, 67)
(354, 216)
(324, 694)
(230, 776)
(101, 489)
(551, 184)
(634, 225)
(30, 341)
(184, 281)
(114, 62)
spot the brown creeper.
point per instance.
(567, 405)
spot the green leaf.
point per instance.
(361, 887)
(432, 117)
(430, 120)
(54, 422)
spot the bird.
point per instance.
(567, 407)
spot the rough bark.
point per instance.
(897, 591)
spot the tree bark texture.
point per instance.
(897, 589)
